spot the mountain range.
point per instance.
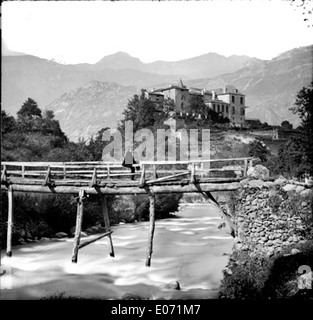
(87, 97)
(208, 64)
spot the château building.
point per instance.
(227, 101)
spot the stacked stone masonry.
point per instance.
(270, 215)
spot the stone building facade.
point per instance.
(227, 101)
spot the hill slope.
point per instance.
(44, 81)
(86, 110)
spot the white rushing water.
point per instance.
(189, 249)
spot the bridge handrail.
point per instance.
(107, 170)
(112, 164)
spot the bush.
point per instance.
(282, 281)
(246, 277)
(258, 149)
(27, 219)
(136, 207)
(193, 197)
(261, 277)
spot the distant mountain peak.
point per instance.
(119, 57)
(121, 53)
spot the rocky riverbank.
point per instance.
(274, 223)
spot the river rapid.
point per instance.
(188, 248)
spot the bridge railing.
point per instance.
(108, 170)
(211, 167)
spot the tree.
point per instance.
(197, 104)
(259, 150)
(291, 158)
(304, 108)
(286, 125)
(29, 110)
(48, 115)
(50, 126)
(140, 111)
(96, 145)
(8, 123)
(168, 106)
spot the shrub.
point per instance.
(246, 277)
(27, 219)
(261, 277)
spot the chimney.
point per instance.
(213, 95)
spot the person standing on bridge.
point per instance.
(129, 162)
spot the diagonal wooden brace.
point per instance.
(208, 195)
(93, 182)
(143, 177)
(47, 180)
(87, 242)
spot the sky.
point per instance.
(86, 31)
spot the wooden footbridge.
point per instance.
(102, 178)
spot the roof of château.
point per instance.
(156, 93)
(227, 89)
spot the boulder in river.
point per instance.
(173, 285)
(61, 234)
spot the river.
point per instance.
(188, 248)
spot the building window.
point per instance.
(226, 109)
(181, 106)
(233, 99)
(241, 100)
(218, 108)
(233, 110)
(222, 108)
(214, 107)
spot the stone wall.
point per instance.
(271, 215)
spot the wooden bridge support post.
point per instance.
(79, 221)
(107, 223)
(245, 168)
(10, 221)
(192, 173)
(202, 169)
(64, 172)
(155, 175)
(151, 228)
(108, 171)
